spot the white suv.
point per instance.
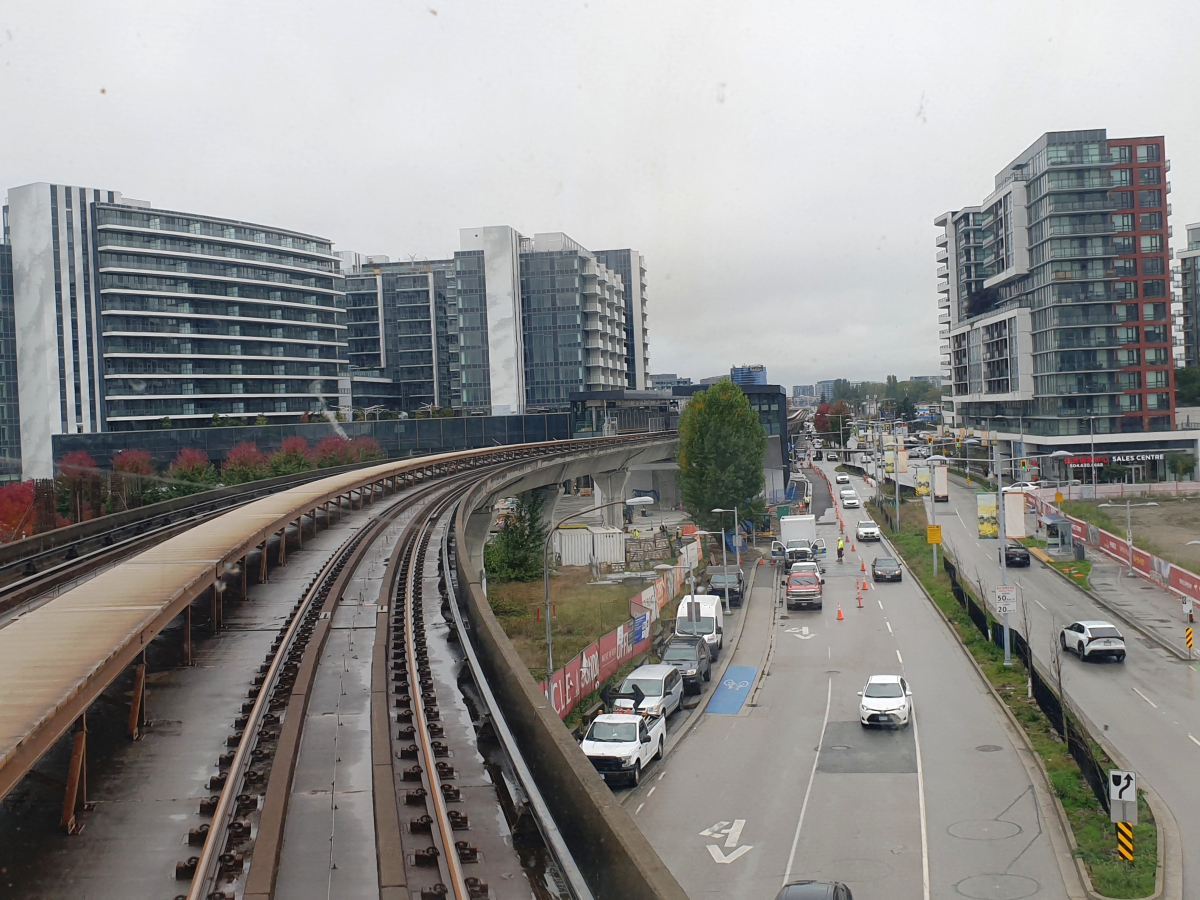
(1093, 640)
(867, 531)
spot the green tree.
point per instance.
(1182, 463)
(892, 389)
(722, 446)
(515, 554)
(1187, 387)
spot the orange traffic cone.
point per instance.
(864, 565)
(840, 616)
(860, 606)
(853, 549)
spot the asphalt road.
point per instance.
(1147, 706)
(789, 785)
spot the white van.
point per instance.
(706, 619)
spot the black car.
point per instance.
(1015, 554)
(720, 576)
(885, 569)
(691, 656)
(814, 890)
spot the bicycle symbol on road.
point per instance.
(735, 685)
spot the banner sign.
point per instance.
(922, 482)
(985, 511)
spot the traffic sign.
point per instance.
(1006, 599)
(933, 534)
(1125, 841)
(1188, 632)
(1058, 497)
(1122, 798)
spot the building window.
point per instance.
(1131, 402)
(1122, 222)
(1119, 155)
(1150, 221)
(187, 387)
(1131, 357)
(281, 387)
(1156, 378)
(1154, 288)
(1159, 423)
(1128, 334)
(1125, 268)
(1152, 312)
(189, 408)
(1122, 177)
(235, 368)
(1149, 176)
(1123, 244)
(1125, 290)
(1156, 334)
(1152, 243)
(1158, 401)
(1153, 265)
(1149, 199)
(280, 406)
(1123, 199)
(237, 387)
(1127, 312)
(1157, 356)
(1147, 153)
(237, 407)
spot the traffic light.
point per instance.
(1024, 465)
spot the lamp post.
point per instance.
(1128, 527)
(632, 501)
(724, 558)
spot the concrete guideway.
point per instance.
(725, 812)
(1145, 707)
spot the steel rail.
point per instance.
(541, 813)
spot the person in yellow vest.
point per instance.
(841, 547)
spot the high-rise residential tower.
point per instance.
(631, 266)
(127, 316)
(1187, 323)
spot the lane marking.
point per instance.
(787, 875)
(661, 775)
(639, 809)
(718, 857)
(899, 657)
(880, 602)
(650, 793)
(735, 833)
(1144, 697)
(889, 625)
(1194, 741)
(921, 798)
(1039, 603)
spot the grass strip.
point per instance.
(1095, 836)
(1079, 571)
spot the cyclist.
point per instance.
(841, 547)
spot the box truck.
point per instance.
(941, 485)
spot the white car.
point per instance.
(850, 499)
(841, 478)
(1020, 487)
(867, 530)
(621, 744)
(885, 701)
(1093, 640)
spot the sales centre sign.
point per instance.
(1119, 459)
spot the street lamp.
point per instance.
(632, 501)
(1128, 527)
(724, 557)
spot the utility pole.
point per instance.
(1003, 540)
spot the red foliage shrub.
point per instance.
(77, 462)
(133, 462)
(16, 521)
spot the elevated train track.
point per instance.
(435, 804)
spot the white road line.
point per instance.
(650, 793)
(735, 833)
(661, 775)
(1144, 697)
(1035, 600)
(880, 602)
(1194, 741)
(921, 799)
(899, 657)
(639, 809)
(787, 875)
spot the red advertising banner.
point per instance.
(558, 693)
(608, 655)
(1110, 544)
(1142, 561)
(1185, 582)
(589, 672)
(572, 695)
(625, 642)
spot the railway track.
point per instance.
(454, 810)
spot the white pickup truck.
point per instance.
(622, 743)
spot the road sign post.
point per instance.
(1125, 841)
(933, 537)
(1006, 599)
(1122, 799)
(1188, 636)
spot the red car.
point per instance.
(803, 591)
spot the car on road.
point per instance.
(885, 701)
(1093, 639)
(661, 685)
(720, 577)
(803, 591)
(702, 615)
(885, 568)
(849, 498)
(621, 744)
(814, 890)
(811, 568)
(1020, 487)
(866, 530)
(841, 478)
(691, 657)
(832, 457)
(1016, 554)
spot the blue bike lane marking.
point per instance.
(731, 693)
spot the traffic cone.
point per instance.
(840, 616)
(864, 565)
(853, 549)
(860, 606)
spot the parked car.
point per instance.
(691, 657)
(866, 530)
(719, 577)
(803, 591)
(841, 478)
(814, 890)
(1015, 554)
(885, 568)
(885, 701)
(1093, 640)
(622, 743)
(662, 686)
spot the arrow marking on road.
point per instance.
(802, 633)
(715, 830)
(735, 833)
(721, 859)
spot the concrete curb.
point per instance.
(1168, 878)
(1120, 614)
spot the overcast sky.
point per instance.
(778, 164)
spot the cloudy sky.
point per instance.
(779, 164)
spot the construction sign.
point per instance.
(933, 535)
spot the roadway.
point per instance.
(1146, 707)
(787, 784)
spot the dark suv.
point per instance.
(691, 656)
(1015, 554)
(719, 576)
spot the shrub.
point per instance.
(190, 471)
(244, 462)
(292, 457)
(133, 462)
(15, 521)
(366, 449)
(77, 462)
(335, 450)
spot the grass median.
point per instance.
(1095, 836)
